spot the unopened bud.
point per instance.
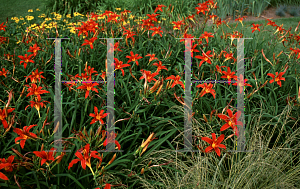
(112, 159)
(142, 171)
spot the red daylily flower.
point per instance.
(192, 50)
(296, 51)
(90, 70)
(206, 36)
(205, 58)
(2, 27)
(34, 49)
(89, 86)
(215, 144)
(152, 17)
(89, 42)
(35, 76)
(177, 24)
(277, 78)
(3, 176)
(176, 81)
(147, 24)
(128, 34)
(3, 72)
(231, 121)
(240, 19)
(9, 165)
(98, 116)
(149, 76)
(159, 8)
(110, 139)
(185, 35)
(202, 9)
(228, 56)
(37, 105)
(34, 90)
(240, 83)
(133, 58)
(207, 89)
(152, 57)
(156, 31)
(26, 59)
(85, 160)
(160, 66)
(46, 156)
(255, 27)
(219, 69)
(119, 65)
(3, 115)
(228, 75)
(24, 135)
(271, 23)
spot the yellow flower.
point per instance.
(69, 16)
(17, 20)
(76, 14)
(30, 10)
(47, 19)
(29, 17)
(118, 8)
(18, 42)
(38, 10)
(159, 22)
(102, 17)
(131, 17)
(42, 16)
(72, 30)
(21, 18)
(163, 18)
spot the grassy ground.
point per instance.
(19, 8)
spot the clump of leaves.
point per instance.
(281, 11)
(294, 11)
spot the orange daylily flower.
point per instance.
(111, 136)
(240, 83)
(35, 76)
(204, 58)
(3, 176)
(152, 57)
(185, 35)
(3, 115)
(46, 156)
(277, 78)
(255, 27)
(128, 34)
(176, 81)
(98, 116)
(231, 121)
(160, 66)
(119, 65)
(228, 75)
(9, 165)
(149, 76)
(152, 17)
(147, 24)
(240, 19)
(89, 86)
(37, 105)
(34, 49)
(228, 56)
(89, 42)
(24, 135)
(133, 58)
(85, 159)
(177, 25)
(3, 72)
(271, 23)
(296, 51)
(159, 8)
(215, 144)
(206, 36)
(34, 90)
(207, 89)
(26, 59)
(192, 50)
(2, 27)
(202, 9)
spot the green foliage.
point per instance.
(280, 11)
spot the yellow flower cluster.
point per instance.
(29, 17)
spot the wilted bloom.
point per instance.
(215, 144)
(3, 116)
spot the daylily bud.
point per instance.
(205, 119)
(147, 141)
(142, 171)
(159, 89)
(112, 159)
